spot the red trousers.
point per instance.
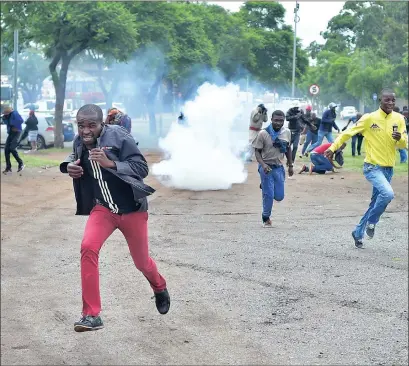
(100, 225)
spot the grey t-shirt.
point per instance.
(270, 154)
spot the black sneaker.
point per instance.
(20, 168)
(358, 242)
(162, 300)
(370, 231)
(87, 323)
(7, 171)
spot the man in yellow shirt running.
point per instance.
(384, 131)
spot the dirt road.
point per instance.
(296, 294)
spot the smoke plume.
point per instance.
(205, 154)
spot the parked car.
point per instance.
(68, 131)
(45, 136)
(348, 112)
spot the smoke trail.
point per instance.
(204, 154)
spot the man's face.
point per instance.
(388, 102)
(405, 113)
(313, 116)
(277, 122)
(89, 128)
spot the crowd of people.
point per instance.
(383, 132)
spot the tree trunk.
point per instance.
(151, 104)
(59, 85)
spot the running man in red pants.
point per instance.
(108, 171)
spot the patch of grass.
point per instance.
(31, 161)
(355, 163)
(54, 150)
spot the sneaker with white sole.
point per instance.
(88, 323)
(267, 224)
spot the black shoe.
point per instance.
(87, 323)
(162, 300)
(7, 171)
(358, 242)
(20, 168)
(370, 231)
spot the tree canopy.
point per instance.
(365, 50)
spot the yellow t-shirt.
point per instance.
(377, 128)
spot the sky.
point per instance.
(314, 16)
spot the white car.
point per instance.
(348, 112)
(45, 136)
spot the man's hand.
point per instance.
(266, 169)
(313, 128)
(329, 154)
(290, 171)
(100, 157)
(74, 169)
(396, 135)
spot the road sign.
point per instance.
(314, 89)
(374, 96)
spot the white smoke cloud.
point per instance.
(205, 154)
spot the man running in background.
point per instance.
(108, 171)
(357, 138)
(296, 122)
(384, 131)
(312, 133)
(327, 123)
(257, 118)
(116, 117)
(271, 145)
(320, 164)
(13, 121)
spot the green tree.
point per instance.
(66, 29)
(32, 70)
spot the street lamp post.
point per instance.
(296, 20)
(15, 92)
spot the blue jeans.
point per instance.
(321, 163)
(272, 188)
(321, 135)
(310, 138)
(403, 155)
(382, 195)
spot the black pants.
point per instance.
(360, 138)
(295, 140)
(11, 147)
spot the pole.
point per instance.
(15, 92)
(247, 89)
(296, 20)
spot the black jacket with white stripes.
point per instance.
(131, 167)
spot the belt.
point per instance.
(274, 166)
(254, 128)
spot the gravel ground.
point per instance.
(299, 293)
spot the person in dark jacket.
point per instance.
(13, 121)
(327, 123)
(296, 122)
(108, 171)
(116, 117)
(31, 131)
(312, 134)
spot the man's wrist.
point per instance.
(112, 164)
